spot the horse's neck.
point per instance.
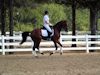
(57, 28)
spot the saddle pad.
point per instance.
(45, 33)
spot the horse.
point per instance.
(36, 36)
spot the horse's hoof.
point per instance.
(51, 54)
(42, 53)
(60, 53)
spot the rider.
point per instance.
(47, 23)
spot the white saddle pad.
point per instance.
(45, 33)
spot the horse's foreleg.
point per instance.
(55, 45)
(61, 51)
(55, 49)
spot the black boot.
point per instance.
(49, 34)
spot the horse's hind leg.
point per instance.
(37, 46)
(34, 52)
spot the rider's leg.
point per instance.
(49, 30)
(49, 34)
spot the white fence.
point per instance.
(83, 42)
(62, 32)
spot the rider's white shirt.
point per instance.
(46, 23)
(46, 19)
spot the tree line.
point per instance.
(24, 12)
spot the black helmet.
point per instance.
(46, 12)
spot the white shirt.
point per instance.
(46, 20)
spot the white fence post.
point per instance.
(87, 45)
(3, 47)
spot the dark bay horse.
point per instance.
(36, 35)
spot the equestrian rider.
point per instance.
(47, 23)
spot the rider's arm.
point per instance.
(47, 20)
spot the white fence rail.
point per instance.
(83, 42)
(63, 32)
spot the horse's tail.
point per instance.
(24, 36)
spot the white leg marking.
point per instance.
(61, 51)
(34, 53)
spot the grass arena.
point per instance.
(66, 64)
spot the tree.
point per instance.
(73, 20)
(3, 15)
(11, 27)
(94, 6)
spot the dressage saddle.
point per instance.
(49, 33)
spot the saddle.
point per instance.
(46, 34)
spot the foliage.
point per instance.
(26, 15)
(82, 19)
(98, 24)
(23, 3)
(26, 10)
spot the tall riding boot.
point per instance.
(49, 34)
